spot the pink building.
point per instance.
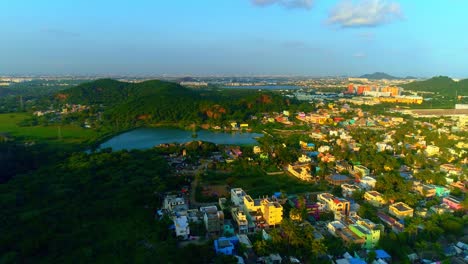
(453, 203)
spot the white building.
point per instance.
(367, 182)
(237, 196)
(174, 203)
(334, 226)
(182, 227)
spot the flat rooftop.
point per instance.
(401, 207)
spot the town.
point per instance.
(369, 179)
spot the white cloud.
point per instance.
(304, 4)
(364, 13)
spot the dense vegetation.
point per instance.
(442, 85)
(28, 95)
(91, 208)
(133, 104)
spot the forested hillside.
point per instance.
(133, 104)
(441, 84)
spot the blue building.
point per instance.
(225, 245)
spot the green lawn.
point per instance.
(69, 133)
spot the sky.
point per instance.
(419, 38)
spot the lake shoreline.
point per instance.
(152, 136)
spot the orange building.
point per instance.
(393, 90)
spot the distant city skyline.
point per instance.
(239, 37)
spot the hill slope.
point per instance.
(133, 104)
(441, 84)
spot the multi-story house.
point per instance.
(347, 190)
(334, 204)
(400, 210)
(213, 219)
(367, 182)
(237, 196)
(182, 228)
(301, 171)
(241, 220)
(424, 189)
(453, 203)
(175, 203)
(272, 212)
(363, 171)
(375, 198)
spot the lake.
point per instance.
(143, 138)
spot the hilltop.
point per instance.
(440, 84)
(379, 76)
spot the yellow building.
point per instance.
(424, 189)
(251, 205)
(375, 198)
(301, 171)
(400, 210)
(272, 212)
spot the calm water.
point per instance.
(265, 87)
(143, 138)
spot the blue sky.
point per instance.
(234, 37)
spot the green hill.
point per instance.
(133, 104)
(441, 84)
(379, 76)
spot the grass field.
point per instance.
(257, 183)
(54, 133)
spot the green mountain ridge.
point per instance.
(440, 84)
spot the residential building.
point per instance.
(257, 150)
(347, 190)
(272, 212)
(349, 237)
(392, 222)
(182, 228)
(241, 220)
(375, 198)
(367, 182)
(338, 179)
(424, 189)
(213, 219)
(367, 230)
(251, 205)
(400, 210)
(174, 203)
(334, 226)
(334, 204)
(237, 196)
(301, 171)
(225, 245)
(453, 203)
(441, 191)
(432, 150)
(450, 169)
(304, 159)
(363, 171)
